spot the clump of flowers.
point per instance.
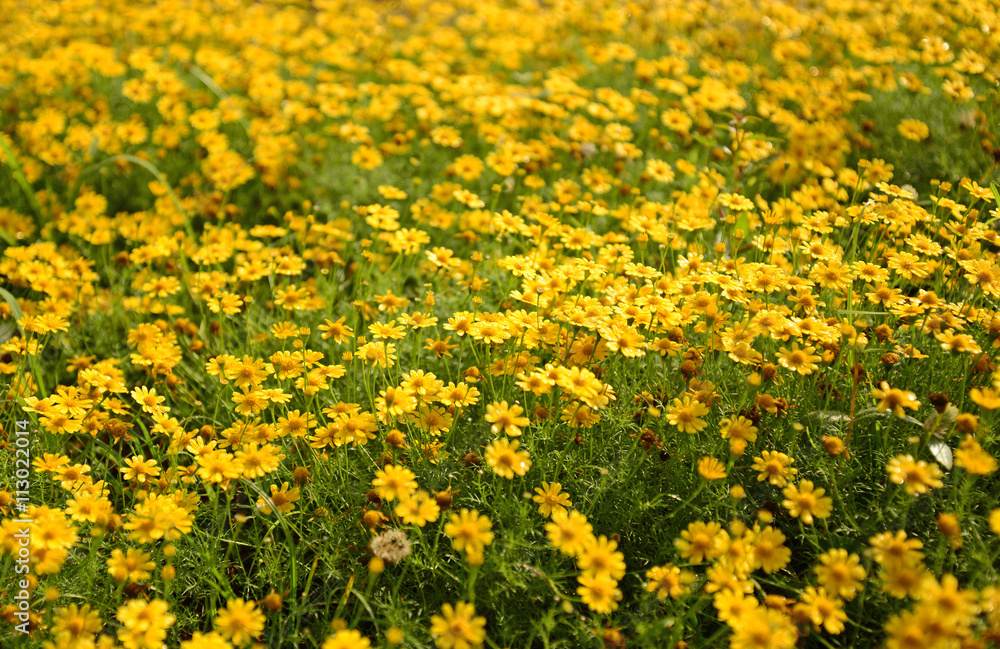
(285, 286)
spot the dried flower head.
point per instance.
(391, 545)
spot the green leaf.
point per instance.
(14, 308)
(996, 197)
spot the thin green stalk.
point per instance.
(22, 182)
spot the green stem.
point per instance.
(19, 178)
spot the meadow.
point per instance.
(499, 323)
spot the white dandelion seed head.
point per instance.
(391, 546)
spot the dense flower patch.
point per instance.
(507, 324)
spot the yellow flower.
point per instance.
(917, 477)
(418, 509)
(346, 639)
(250, 401)
(904, 580)
(134, 565)
(739, 431)
(149, 400)
(840, 574)
(440, 346)
(283, 498)
(240, 621)
(895, 549)
(711, 468)
(994, 521)
(73, 625)
(686, 415)
(394, 482)
(458, 627)
(139, 469)
(988, 398)
(798, 360)
(388, 330)
(339, 331)
(394, 635)
(469, 531)
(701, 541)
(145, 623)
(732, 603)
(460, 394)
(761, 627)
(659, 170)
(973, 458)
(676, 120)
(822, 610)
(569, 531)
(769, 552)
(551, 499)
(506, 418)
(913, 129)
(958, 343)
(894, 400)
(367, 157)
(599, 557)
(505, 460)
(806, 502)
(669, 580)
(255, 462)
(217, 466)
(599, 592)
(247, 373)
(949, 526)
(390, 192)
(774, 467)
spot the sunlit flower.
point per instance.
(458, 627)
(711, 468)
(551, 499)
(917, 477)
(686, 415)
(392, 482)
(774, 467)
(894, 400)
(240, 621)
(506, 460)
(803, 361)
(840, 574)
(805, 501)
(469, 531)
(669, 581)
(599, 592)
(506, 418)
(701, 541)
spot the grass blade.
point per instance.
(15, 308)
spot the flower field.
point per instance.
(499, 323)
